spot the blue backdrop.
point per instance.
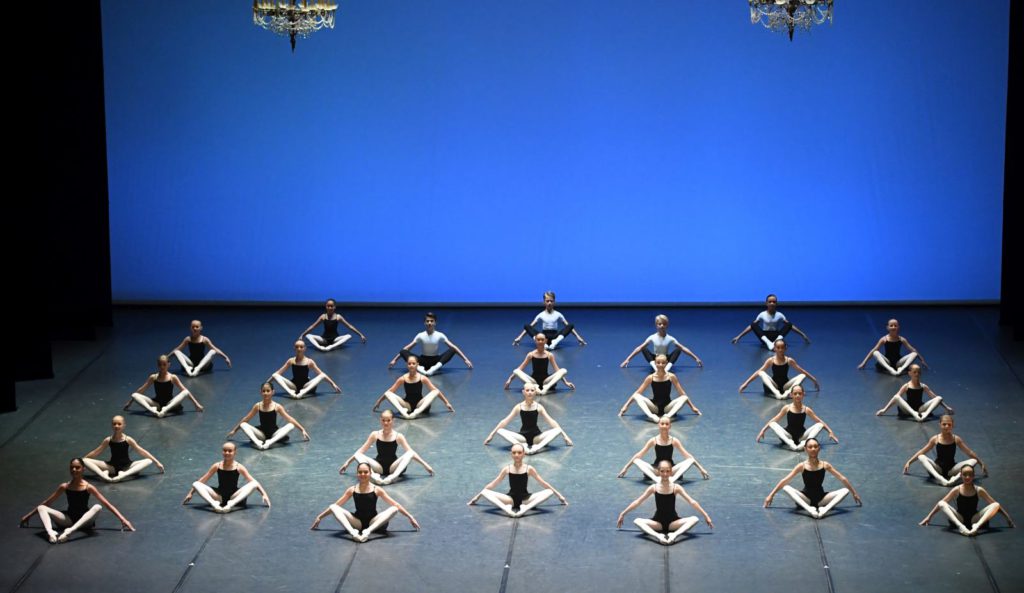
(614, 151)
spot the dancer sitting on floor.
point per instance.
(120, 465)
(518, 500)
(529, 436)
(164, 401)
(200, 351)
(366, 520)
(430, 342)
(415, 402)
(794, 435)
(813, 498)
(665, 526)
(78, 515)
(330, 340)
(944, 469)
(227, 496)
(268, 432)
(661, 383)
(659, 343)
(388, 465)
(770, 325)
(301, 385)
(549, 320)
(910, 399)
(888, 356)
(540, 358)
(778, 384)
(966, 517)
(663, 443)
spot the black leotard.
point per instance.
(915, 399)
(967, 506)
(662, 453)
(795, 424)
(119, 456)
(813, 479)
(227, 484)
(892, 352)
(330, 330)
(540, 370)
(268, 423)
(366, 507)
(780, 376)
(665, 510)
(300, 375)
(387, 454)
(529, 429)
(517, 487)
(164, 391)
(196, 351)
(413, 393)
(78, 503)
(662, 392)
(945, 456)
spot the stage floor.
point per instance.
(877, 547)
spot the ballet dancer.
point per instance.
(388, 466)
(415, 402)
(770, 325)
(519, 500)
(966, 511)
(366, 520)
(778, 384)
(78, 515)
(164, 402)
(301, 385)
(227, 496)
(539, 357)
(530, 436)
(330, 339)
(549, 320)
(120, 465)
(200, 352)
(661, 383)
(430, 342)
(663, 443)
(268, 432)
(910, 399)
(794, 435)
(944, 469)
(813, 498)
(888, 355)
(666, 525)
(659, 343)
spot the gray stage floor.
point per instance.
(877, 547)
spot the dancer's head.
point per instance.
(946, 424)
(893, 326)
(300, 348)
(664, 468)
(387, 419)
(664, 424)
(227, 450)
(813, 447)
(363, 472)
(771, 302)
(914, 371)
(430, 320)
(540, 340)
(967, 474)
(163, 363)
(530, 391)
(411, 363)
(518, 451)
(197, 327)
(330, 306)
(117, 423)
(549, 300)
(266, 391)
(660, 362)
(661, 322)
(76, 467)
(797, 393)
(779, 346)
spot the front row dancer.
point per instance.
(813, 498)
(665, 526)
(519, 500)
(415, 403)
(79, 515)
(914, 406)
(430, 342)
(966, 517)
(661, 383)
(530, 437)
(388, 466)
(778, 384)
(794, 435)
(301, 384)
(659, 343)
(944, 469)
(366, 520)
(539, 358)
(120, 465)
(268, 432)
(164, 402)
(227, 496)
(199, 359)
(549, 320)
(663, 443)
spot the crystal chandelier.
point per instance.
(789, 15)
(295, 19)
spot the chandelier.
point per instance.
(789, 15)
(295, 19)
